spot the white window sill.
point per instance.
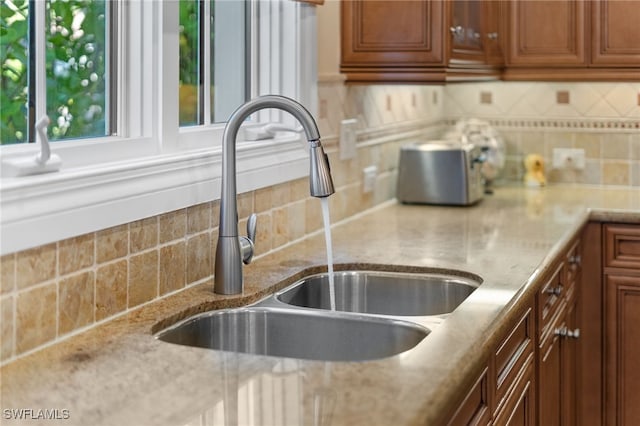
(46, 208)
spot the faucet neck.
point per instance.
(228, 206)
(229, 253)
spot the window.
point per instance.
(212, 32)
(144, 158)
(71, 57)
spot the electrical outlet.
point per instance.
(348, 138)
(568, 158)
(369, 178)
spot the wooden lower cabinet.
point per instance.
(519, 409)
(504, 394)
(589, 364)
(558, 370)
(559, 333)
(621, 329)
(570, 367)
(474, 410)
(549, 379)
(622, 350)
(572, 356)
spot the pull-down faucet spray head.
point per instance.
(320, 182)
(233, 250)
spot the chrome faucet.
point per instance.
(233, 250)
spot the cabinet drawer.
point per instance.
(474, 410)
(622, 246)
(550, 298)
(511, 356)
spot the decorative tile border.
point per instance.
(582, 124)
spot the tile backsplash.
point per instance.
(51, 292)
(603, 119)
(54, 291)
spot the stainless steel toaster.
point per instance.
(437, 172)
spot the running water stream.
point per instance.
(327, 235)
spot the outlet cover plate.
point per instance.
(568, 158)
(369, 178)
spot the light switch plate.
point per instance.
(348, 138)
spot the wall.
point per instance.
(603, 119)
(52, 292)
(328, 38)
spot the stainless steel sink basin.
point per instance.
(293, 333)
(386, 293)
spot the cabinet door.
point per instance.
(466, 32)
(392, 33)
(616, 33)
(622, 350)
(591, 296)
(547, 33)
(493, 32)
(569, 366)
(549, 380)
(520, 408)
(474, 410)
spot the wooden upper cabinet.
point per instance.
(392, 33)
(494, 32)
(547, 33)
(391, 40)
(422, 41)
(573, 40)
(466, 32)
(414, 40)
(616, 33)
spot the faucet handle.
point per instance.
(251, 226)
(247, 244)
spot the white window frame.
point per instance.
(152, 166)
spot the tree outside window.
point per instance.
(76, 69)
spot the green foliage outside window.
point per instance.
(189, 62)
(76, 63)
(77, 68)
(13, 83)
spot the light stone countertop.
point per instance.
(118, 374)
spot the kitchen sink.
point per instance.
(386, 293)
(296, 333)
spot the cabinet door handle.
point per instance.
(575, 260)
(492, 36)
(575, 334)
(565, 332)
(457, 30)
(556, 291)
